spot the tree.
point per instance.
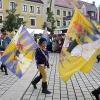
(50, 18)
(50, 24)
(12, 21)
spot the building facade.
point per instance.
(63, 13)
(62, 10)
(31, 11)
(98, 14)
(88, 9)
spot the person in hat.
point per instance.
(41, 56)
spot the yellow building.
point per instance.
(31, 11)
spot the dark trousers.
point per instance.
(3, 68)
(98, 58)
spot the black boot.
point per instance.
(96, 93)
(2, 68)
(44, 88)
(35, 81)
(98, 59)
(6, 73)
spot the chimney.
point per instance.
(94, 3)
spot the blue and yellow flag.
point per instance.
(19, 53)
(83, 54)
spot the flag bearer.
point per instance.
(41, 57)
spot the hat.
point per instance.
(41, 40)
(3, 30)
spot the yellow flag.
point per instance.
(81, 29)
(83, 55)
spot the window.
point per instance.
(64, 13)
(32, 21)
(12, 5)
(38, 10)
(48, 9)
(0, 3)
(21, 18)
(92, 14)
(0, 19)
(64, 23)
(58, 23)
(31, 9)
(24, 8)
(69, 13)
(58, 12)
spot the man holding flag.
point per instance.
(41, 56)
(82, 55)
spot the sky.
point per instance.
(97, 2)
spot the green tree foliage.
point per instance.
(12, 21)
(50, 18)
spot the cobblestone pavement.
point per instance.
(6, 81)
(78, 87)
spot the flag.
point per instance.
(19, 53)
(97, 24)
(81, 29)
(83, 54)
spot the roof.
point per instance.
(38, 1)
(79, 4)
(63, 3)
(89, 6)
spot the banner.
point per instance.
(81, 53)
(19, 53)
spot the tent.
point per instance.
(36, 31)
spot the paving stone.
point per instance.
(33, 98)
(56, 98)
(26, 97)
(48, 98)
(64, 99)
(41, 97)
(81, 98)
(64, 95)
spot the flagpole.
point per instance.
(15, 39)
(74, 3)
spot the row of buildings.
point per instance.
(33, 12)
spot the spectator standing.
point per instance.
(4, 41)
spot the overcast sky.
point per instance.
(97, 2)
